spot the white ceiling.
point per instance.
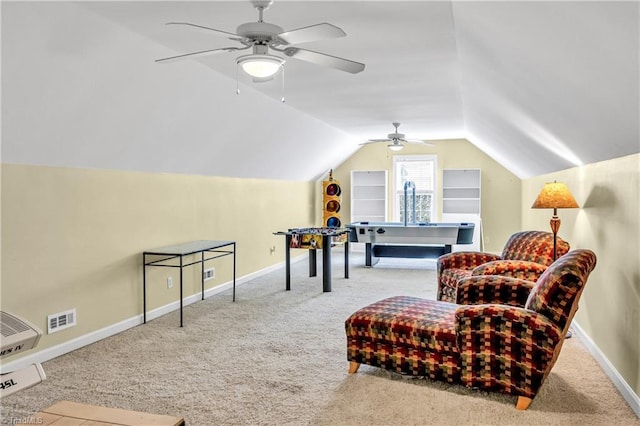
(539, 86)
(409, 49)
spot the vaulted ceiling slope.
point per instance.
(539, 86)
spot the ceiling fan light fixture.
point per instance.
(260, 65)
(395, 146)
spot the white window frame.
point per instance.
(397, 191)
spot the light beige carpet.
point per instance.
(279, 358)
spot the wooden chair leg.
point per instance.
(353, 367)
(523, 403)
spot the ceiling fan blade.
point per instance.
(418, 141)
(201, 27)
(197, 54)
(379, 140)
(312, 33)
(324, 59)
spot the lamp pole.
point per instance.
(555, 227)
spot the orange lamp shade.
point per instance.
(555, 195)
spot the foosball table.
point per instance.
(313, 239)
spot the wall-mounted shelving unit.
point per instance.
(368, 196)
(462, 201)
(461, 191)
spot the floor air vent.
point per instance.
(61, 321)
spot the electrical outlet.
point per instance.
(209, 274)
(169, 282)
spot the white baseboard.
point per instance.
(103, 333)
(627, 393)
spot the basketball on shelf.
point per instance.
(331, 202)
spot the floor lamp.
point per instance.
(555, 195)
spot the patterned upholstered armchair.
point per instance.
(491, 346)
(525, 255)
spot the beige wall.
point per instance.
(607, 223)
(500, 188)
(73, 238)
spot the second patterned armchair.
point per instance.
(526, 255)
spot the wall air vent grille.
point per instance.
(61, 321)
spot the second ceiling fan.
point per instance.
(396, 140)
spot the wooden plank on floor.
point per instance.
(104, 415)
(69, 421)
(46, 419)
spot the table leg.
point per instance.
(202, 273)
(144, 289)
(180, 291)
(313, 262)
(287, 256)
(326, 263)
(346, 259)
(234, 272)
(368, 255)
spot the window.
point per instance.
(421, 170)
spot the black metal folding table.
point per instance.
(179, 251)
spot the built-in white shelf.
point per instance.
(461, 191)
(461, 201)
(368, 196)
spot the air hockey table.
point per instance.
(413, 240)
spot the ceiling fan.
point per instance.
(396, 140)
(262, 37)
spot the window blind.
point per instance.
(420, 172)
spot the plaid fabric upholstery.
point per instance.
(534, 246)
(406, 335)
(491, 346)
(448, 281)
(557, 291)
(482, 289)
(453, 267)
(522, 269)
(465, 259)
(504, 348)
(520, 253)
